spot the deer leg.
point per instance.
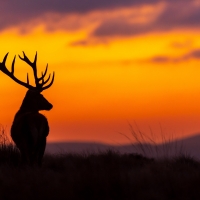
(42, 147)
(24, 151)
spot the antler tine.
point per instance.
(44, 82)
(13, 66)
(5, 58)
(47, 86)
(35, 60)
(3, 65)
(43, 75)
(33, 66)
(27, 79)
(11, 74)
(25, 59)
(41, 85)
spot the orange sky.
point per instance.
(102, 83)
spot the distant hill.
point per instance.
(189, 145)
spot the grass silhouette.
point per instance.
(106, 175)
(147, 145)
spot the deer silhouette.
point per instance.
(30, 128)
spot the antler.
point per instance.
(39, 86)
(11, 74)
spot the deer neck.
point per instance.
(27, 107)
(23, 110)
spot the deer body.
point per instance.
(29, 132)
(30, 128)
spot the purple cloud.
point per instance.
(195, 54)
(120, 28)
(13, 12)
(176, 14)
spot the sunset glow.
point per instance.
(114, 64)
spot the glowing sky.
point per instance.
(115, 62)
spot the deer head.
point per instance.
(34, 100)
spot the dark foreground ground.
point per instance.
(105, 176)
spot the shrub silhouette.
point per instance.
(107, 175)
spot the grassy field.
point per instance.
(106, 176)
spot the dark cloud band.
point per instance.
(13, 12)
(67, 6)
(195, 54)
(176, 14)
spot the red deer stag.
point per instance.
(30, 128)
